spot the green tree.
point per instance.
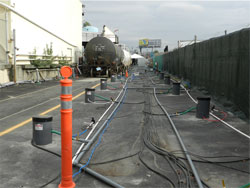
(33, 59)
(47, 58)
(156, 52)
(85, 24)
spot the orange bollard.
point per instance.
(126, 75)
(66, 129)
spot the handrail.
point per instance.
(42, 55)
(25, 18)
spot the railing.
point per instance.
(25, 57)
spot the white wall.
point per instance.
(3, 36)
(4, 76)
(61, 17)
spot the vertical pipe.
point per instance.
(59, 74)
(66, 129)
(14, 55)
(37, 76)
(6, 30)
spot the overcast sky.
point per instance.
(167, 20)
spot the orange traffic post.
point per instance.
(66, 129)
(126, 75)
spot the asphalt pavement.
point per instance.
(138, 148)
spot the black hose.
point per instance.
(114, 160)
(56, 154)
(155, 171)
(41, 148)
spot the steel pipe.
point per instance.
(100, 177)
(92, 140)
(95, 125)
(196, 175)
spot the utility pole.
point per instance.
(14, 55)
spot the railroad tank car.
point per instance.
(103, 57)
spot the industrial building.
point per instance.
(38, 24)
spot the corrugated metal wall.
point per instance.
(220, 64)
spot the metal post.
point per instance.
(71, 54)
(14, 55)
(66, 129)
(37, 76)
(59, 73)
(195, 38)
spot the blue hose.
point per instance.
(75, 135)
(100, 137)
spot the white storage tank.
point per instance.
(127, 58)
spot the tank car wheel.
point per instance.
(107, 72)
(91, 72)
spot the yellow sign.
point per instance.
(143, 42)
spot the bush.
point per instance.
(47, 58)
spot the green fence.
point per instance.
(221, 65)
(158, 62)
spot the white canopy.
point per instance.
(136, 56)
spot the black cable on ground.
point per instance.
(147, 139)
(56, 154)
(131, 102)
(54, 179)
(217, 157)
(127, 115)
(215, 163)
(178, 162)
(114, 160)
(152, 114)
(41, 148)
(218, 164)
(155, 171)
